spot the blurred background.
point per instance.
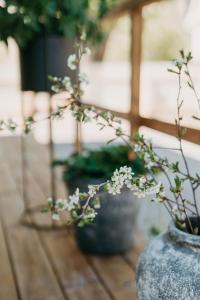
(167, 27)
(109, 70)
(133, 43)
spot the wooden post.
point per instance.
(136, 41)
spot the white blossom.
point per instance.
(55, 217)
(137, 148)
(92, 190)
(119, 179)
(83, 36)
(73, 200)
(174, 209)
(55, 88)
(72, 62)
(67, 84)
(83, 78)
(91, 215)
(50, 201)
(87, 51)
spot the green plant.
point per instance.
(91, 163)
(181, 209)
(23, 20)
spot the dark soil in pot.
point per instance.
(112, 230)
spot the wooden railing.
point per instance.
(133, 116)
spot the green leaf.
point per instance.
(45, 210)
(182, 53)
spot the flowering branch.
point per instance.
(82, 206)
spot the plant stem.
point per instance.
(193, 87)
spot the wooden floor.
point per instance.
(40, 265)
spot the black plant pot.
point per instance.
(45, 55)
(112, 230)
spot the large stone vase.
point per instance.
(169, 268)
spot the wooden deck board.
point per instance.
(116, 275)
(35, 277)
(8, 288)
(49, 265)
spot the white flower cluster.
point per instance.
(137, 148)
(89, 214)
(72, 62)
(72, 201)
(147, 155)
(67, 83)
(143, 186)
(83, 78)
(160, 193)
(140, 186)
(92, 190)
(72, 205)
(176, 211)
(149, 162)
(120, 178)
(68, 204)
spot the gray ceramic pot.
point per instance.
(112, 230)
(169, 268)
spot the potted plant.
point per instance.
(169, 268)
(45, 31)
(112, 230)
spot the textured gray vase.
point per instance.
(169, 268)
(112, 230)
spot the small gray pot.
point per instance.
(169, 268)
(112, 230)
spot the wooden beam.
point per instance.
(192, 135)
(118, 114)
(136, 41)
(126, 7)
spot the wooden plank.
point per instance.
(35, 276)
(192, 135)
(136, 41)
(132, 256)
(74, 273)
(35, 165)
(109, 278)
(116, 275)
(77, 278)
(127, 6)
(8, 290)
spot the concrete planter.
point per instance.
(112, 231)
(169, 268)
